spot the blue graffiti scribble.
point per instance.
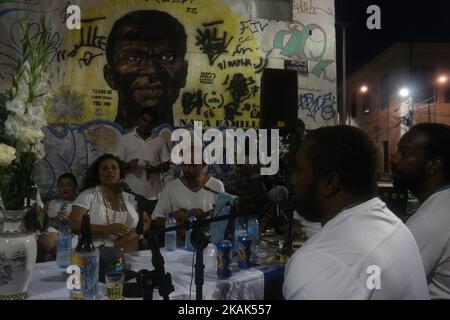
(322, 104)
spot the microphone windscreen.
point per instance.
(278, 194)
(282, 193)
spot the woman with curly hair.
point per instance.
(113, 213)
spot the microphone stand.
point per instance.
(158, 278)
(199, 239)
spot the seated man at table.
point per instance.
(187, 193)
(363, 252)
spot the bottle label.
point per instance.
(89, 269)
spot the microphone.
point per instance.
(278, 194)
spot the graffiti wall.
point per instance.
(187, 59)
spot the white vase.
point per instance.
(17, 255)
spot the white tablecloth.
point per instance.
(48, 282)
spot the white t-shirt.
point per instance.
(335, 263)
(176, 196)
(92, 200)
(56, 206)
(430, 226)
(154, 150)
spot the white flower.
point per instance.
(7, 155)
(29, 136)
(12, 125)
(35, 115)
(39, 150)
(23, 91)
(16, 106)
(41, 88)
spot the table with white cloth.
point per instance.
(48, 281)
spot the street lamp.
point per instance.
(406, 93)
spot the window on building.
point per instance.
(385, 91)
(447, 93)
(424, 84)
(280, 10)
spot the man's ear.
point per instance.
(184, 74)
(434, 165)
(331, 185)
(109, 76)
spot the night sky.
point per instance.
(401, 21)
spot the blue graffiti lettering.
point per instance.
(322, 104)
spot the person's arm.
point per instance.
(163, 167)
(76, 217)
(131, 165)
(430, 248)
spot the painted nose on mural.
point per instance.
(149, 67)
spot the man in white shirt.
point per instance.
(363, 250)
(422, 166)
(187, 193)
(146, 156)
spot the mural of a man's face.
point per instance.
(146, 73)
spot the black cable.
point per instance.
(192, 274)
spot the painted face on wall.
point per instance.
(305, 184)
(146, 74)
(410, 161)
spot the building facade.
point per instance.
(404, 85)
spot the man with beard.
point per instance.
(422, 166)
(145, 53)
(363, 250)
(187, 193)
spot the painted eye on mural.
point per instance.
(134, 58)
(167, 57)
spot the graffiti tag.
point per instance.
(308, 7)
(252, 26)
(322, 104)
(210, 43)
(191, 101)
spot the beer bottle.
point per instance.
(86, 256)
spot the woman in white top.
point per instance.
(113, 212)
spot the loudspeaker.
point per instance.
(279, 100)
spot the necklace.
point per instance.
(115, 205)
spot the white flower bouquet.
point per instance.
(22, 118)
